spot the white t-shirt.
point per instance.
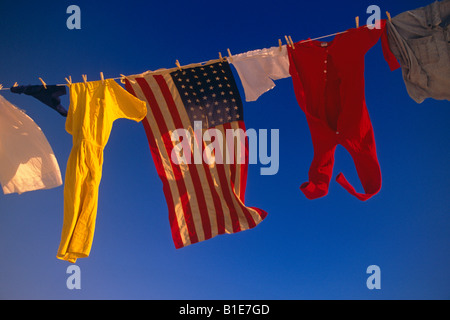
(258, 68)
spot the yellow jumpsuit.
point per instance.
(93, 108)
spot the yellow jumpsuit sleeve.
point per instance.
(128, 106)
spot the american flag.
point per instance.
(204, 200)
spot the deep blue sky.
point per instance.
(304, 249)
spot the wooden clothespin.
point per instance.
(124, 77)
(1, 86)
(279, 43)
(15, 84)
(69, 81)
(84, 79)
(45, 85)
(389, 16)
(220, 57)
(178, 65)
(292, 42)
(229, 54)
(101, 76)
(287, 41)
(357, 21)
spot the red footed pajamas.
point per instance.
(328, 79)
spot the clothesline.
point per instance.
(289, 42)
(62, 84)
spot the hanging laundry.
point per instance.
(94, 107)
(27, 161)
(328, 80)
(49, 96)
(204, 199)
(258, 68)
(420, 39)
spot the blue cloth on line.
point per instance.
(49, 96)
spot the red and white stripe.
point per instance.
(204, 200)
